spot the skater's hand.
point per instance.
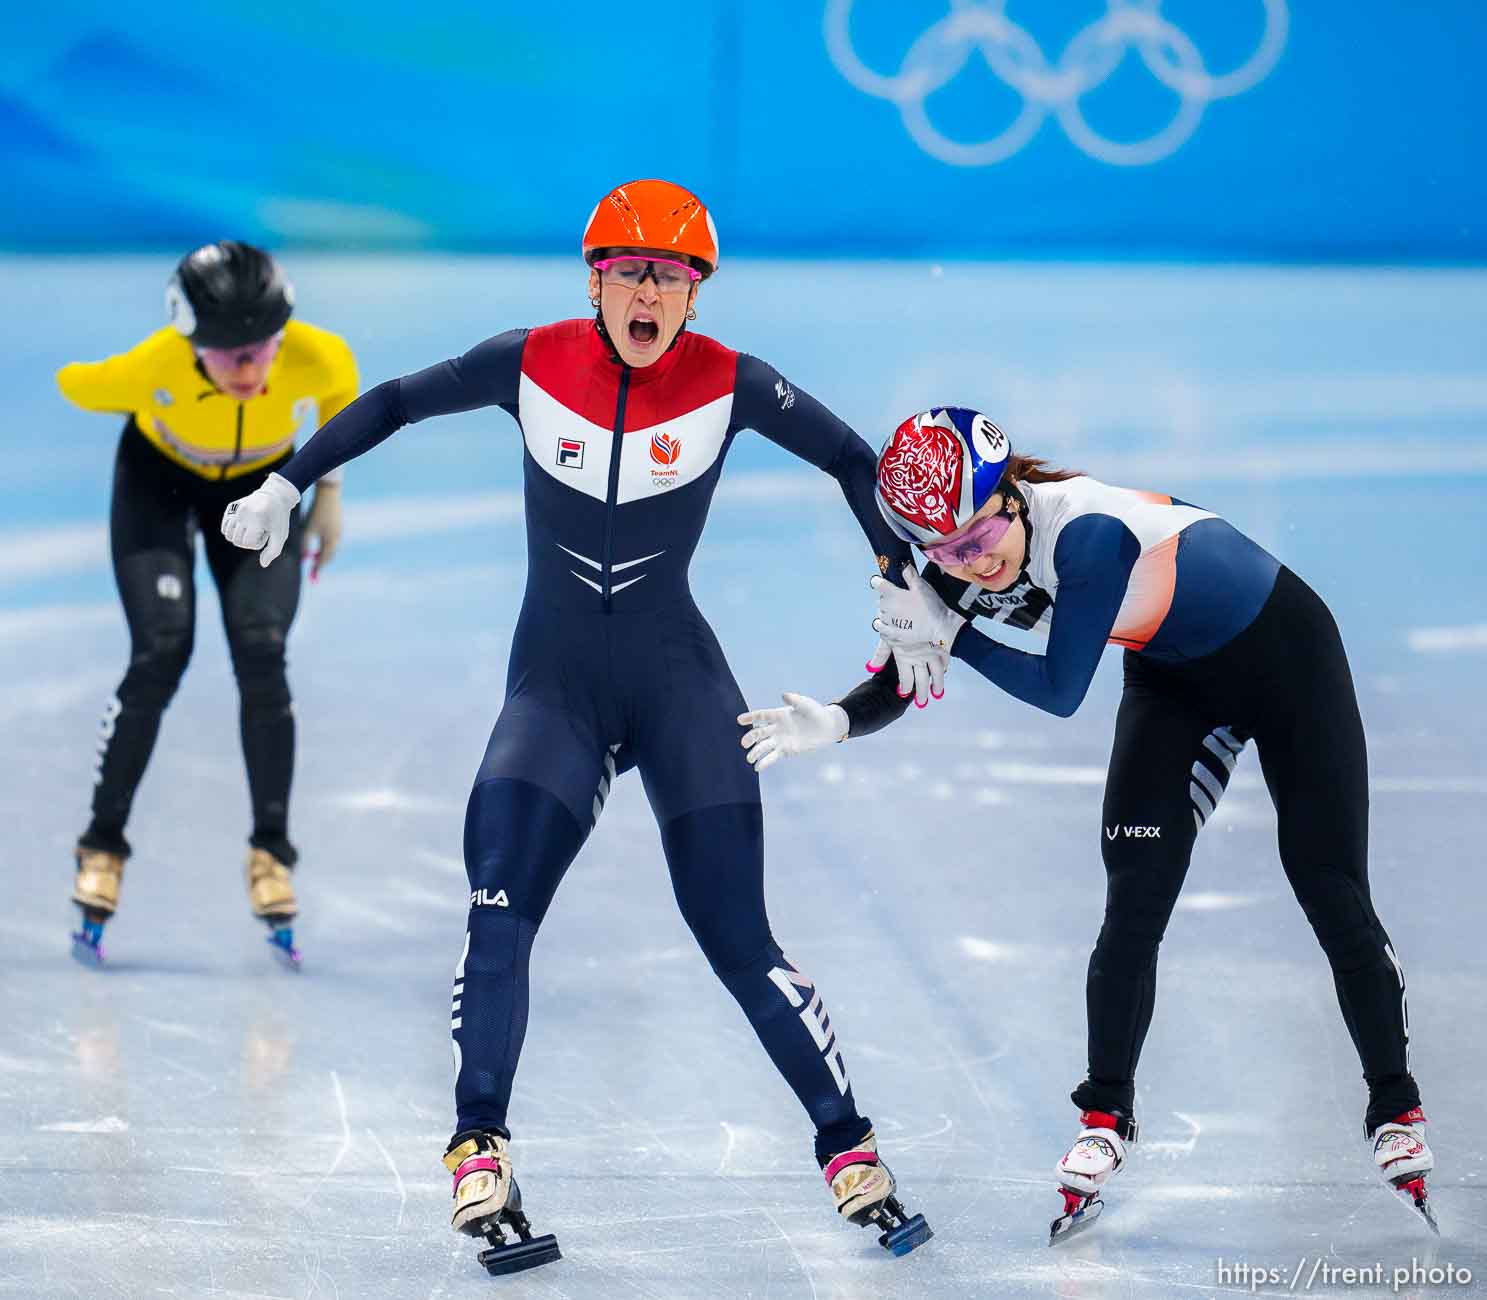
(921, 669)
(323, 527)
(802, 725)
(919, 629)
(914, 613)
(260, 521)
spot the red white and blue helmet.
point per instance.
(937, 469)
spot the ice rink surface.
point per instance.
(194, 1122)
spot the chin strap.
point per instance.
(1013, 491)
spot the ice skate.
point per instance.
(1098, 1152)
(1404, 1158)
(271, 895)
(487, 1202)
(863, 1188)
(95, 889)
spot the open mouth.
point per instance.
(994, 573)
(644, 331)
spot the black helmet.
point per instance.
(227, 295)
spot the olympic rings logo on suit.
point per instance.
(942, 51)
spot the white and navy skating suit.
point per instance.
(612, 664)
(1224, 645)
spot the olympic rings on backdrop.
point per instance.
(942, 51)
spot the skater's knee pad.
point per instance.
(1139, 898)
(258, 664)
(716, 857)
(1341, 916)
(770, 987)
(1126, 945)
(157, 660)
(500, 944)
(519, 840)
(759, 980)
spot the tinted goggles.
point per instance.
(631, 272)
(971, 545)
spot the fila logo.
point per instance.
(813, 1016)
(784, 394)
(570, 453)
(1134, 832)
(484, 898)
(665, 449)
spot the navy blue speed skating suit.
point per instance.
(613, 664)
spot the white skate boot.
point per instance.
(1404, 1158)
(863, 1188)
(1098, 1152)
(487, 1201)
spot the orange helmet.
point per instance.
(653, 214)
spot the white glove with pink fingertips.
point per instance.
(919, 630)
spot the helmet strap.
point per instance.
(1012, 490)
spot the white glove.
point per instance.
(802, 725)
(323, 527)
(260, 521)
(919, 629)
(918, 666)
(914, 613)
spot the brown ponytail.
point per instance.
(1034, 469)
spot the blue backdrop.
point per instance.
(1252, 128)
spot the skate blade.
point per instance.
(87, 943)
(86, 952)
(1413, 1194)
(282, 942)
(519, 1256)
(908, 1236)
(1076, 1221)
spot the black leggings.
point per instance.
(1283, 683)
(157, 510)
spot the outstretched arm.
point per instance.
(487, 375)
(119, 383)
(796, 421)
(805, 724)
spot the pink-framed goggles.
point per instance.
(246, 354)
(630, 270)
(971, 545)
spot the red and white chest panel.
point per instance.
(676, 418)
